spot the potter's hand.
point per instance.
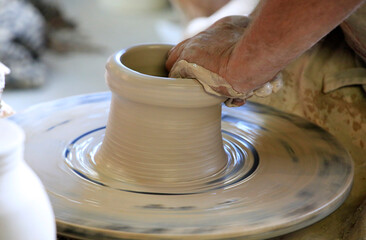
(205, 57)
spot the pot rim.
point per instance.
(122, 80)
(117, 67)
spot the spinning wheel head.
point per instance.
(155, 167)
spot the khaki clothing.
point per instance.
(354, 28)
(325, 86)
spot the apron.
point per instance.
(326, 86)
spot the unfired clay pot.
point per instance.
(160, 130)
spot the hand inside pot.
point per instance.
(206, 57)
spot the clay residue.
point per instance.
(216, 85)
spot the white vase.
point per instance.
(25, 210)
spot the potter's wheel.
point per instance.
(283, 173)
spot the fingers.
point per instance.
(234, 102)
(237, 21)
(270, 87)
(238, 102)
(240, 21)
(171, 58)
(174, 54)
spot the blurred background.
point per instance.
(57, 49)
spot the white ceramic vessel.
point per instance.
(25, 210)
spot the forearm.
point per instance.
(198, 8)
(280, 31)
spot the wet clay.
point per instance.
(160, 129)
(164, 162)
(212, 81)
(167, 128)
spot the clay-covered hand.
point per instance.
(206, 56)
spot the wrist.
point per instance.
(248, 69)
